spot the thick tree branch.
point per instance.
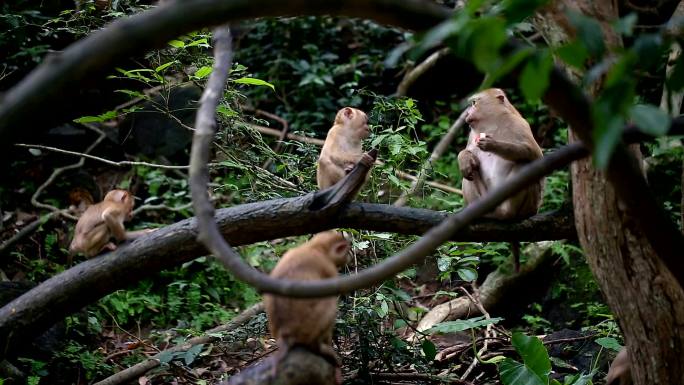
(173, 245)
(51, 86)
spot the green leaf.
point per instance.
(97, 119)
(589, 33)
(513, 372)
(201, 42)
(467, 274)
(574, 54)
(535, 76)
(166, 356)
(533, 352)
(609, 343)
(650, 119)
(429, 349)
(177, 43)
(481, 40)
(226, 111)
(203, 72)
(649, 49)
(461, 325)
(165, 66)
(192, 353)
(254, 82)
(518, 10)
(625, 25)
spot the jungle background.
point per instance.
(291, 75)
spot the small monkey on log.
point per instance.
(620, 372)
(500, 143)
(307, 322)
(342, 148)
(103, 221)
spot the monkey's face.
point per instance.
(363, 130)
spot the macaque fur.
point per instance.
(307, 322)
(343, 147)
(619, 372)
(103, 221)
(500, 143)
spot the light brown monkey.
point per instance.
(307, 322)
(500, 143)
(342, 148)
(103, 221)
(619, 372)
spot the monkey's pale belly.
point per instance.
(493, 168)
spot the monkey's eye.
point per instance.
(472, 102)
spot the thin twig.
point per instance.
(141, 368)
(122, 163)
(437, 152)
(488, 333)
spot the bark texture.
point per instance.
(640, 290)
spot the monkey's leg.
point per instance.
(468, 164)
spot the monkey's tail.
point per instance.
(515, 250)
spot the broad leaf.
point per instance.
(650, 119)
(609, 343)
(513, 372)
(429, 349)
(533, 352)
(461, 325)
(535, 76)
(203, 72)
(254, 82)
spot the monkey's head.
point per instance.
(487, 104)
(355, 120)
(333, 245)
(123, 197)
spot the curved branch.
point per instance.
(50, 87)
(170, 246)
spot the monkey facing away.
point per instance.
(342, 148)
(500, 143)
(307, 322)
(103, 221)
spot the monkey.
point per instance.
(499, 144)
(101, 222)
(342, 147)
(619, 372)
(79, 200)
(307, 322)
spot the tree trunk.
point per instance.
(642, 293)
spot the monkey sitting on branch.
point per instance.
(499, 144)
(307, 322)
(342, 148)
(103, 221)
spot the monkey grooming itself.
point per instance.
(103, 221)
(500, 143)
(307, 322)
(619, 372)
(342, 148)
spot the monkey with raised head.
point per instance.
(343, 147)
(500, 143)
(103, 221)
(307, 322)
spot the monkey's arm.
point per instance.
(114, 220)
(515, 152)
(468, 164)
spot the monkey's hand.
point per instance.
(367, 160)
(487, 143)
(468, 164)
(348, 167)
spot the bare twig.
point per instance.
(319, 142)
(439, 149)
(122, 163)
(420, 69)
(141, 368)
(28, 229)
(489, 333)
(58, 171)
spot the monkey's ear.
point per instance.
(348, 112)
(339, 250)
(501, 97)
(121, 196)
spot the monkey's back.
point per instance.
(296, 321)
